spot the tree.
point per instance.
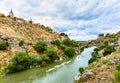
(20, 62)
(117, 74)
(56, 42)
(70, 52)
(81, 70)
(108, 50)
(3, 45)
(67, 42)
(52, 54)
(40, 46)
(63, 34)
(101, 35)
(21, 42)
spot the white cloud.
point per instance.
(80, 19)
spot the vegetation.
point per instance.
(95, 57)
(49, 29)
(40, 47)
(52, 54)
(101, 35)
(70, 52)
(71, 43)
(81, 70)
(21, 42)
(56, 42)
(117, 74)
(31, 21)
(3, 45)
(63, 34)
(20, 62)
(108, 50)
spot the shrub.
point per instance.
(63, 34)
(39, 60)
(62, 47)
(21, 42)
(93, 59)
(108, 50)
(31, 21)
(56, 42)
(69, 52)
(52, 54)
(118, 67)
(3, 45)
(117, 76)
(40, 47)
(81, 70)
(43, 64)
(69, 42)
(21, 61)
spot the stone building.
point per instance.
(11, 14)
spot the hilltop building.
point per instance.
(11, 14)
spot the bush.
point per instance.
(63, 34)
(43, 64)
(3, 45)
(52, 54)
(117, 76)
(21, 42)
(93, 59)
(95, 56)
(56, 42)
(69, 42)
(118, 67)
(69, 52)
(20, 62)
(108, 50)
(81, 70)
(40, 47)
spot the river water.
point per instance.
(64, 74)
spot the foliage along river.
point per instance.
(63, 74)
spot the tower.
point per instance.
(11, 14)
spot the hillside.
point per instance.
(104, 61)
(16, 31)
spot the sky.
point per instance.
(79, 19)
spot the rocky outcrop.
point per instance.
(84, 77)
(13, 43)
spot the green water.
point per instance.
(64, 74)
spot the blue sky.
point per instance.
(80, 19)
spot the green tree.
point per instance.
(70, 52)
(56, 42)
(3, 45)
(117, 76)
(63, 34)
(101, 35)
(21, 42)
(67, 42)
(40, 46)
(20, 62)
(52, 54)
(108, 50)
(81, 70)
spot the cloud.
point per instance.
(80, 19)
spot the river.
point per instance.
(64, 74)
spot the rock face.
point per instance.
(13, 43)
(86, 76)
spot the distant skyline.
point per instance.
(80, 19)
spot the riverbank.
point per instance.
(63, 74)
